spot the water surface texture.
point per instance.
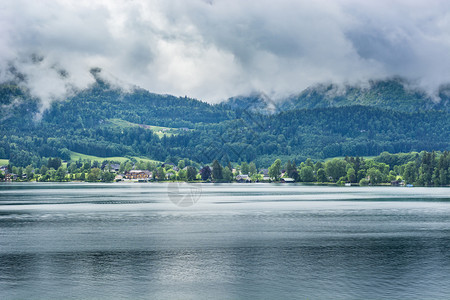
(237, 241)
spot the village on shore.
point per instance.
(423, 169)
(113, 172)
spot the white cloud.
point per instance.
(216, 49)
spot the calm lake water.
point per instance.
(266, 241)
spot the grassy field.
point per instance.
(76, 156)
(158, 130)
(4, 162)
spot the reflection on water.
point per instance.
(238, 241)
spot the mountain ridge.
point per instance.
(81, 123)
(395, 94)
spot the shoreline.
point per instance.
(218, 183)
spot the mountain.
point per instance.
(394, 94)
(106, 121)
(255, 103)
(388, 94)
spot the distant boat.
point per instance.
(409, 185)
(348, 184)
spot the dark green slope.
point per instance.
(80, 123)
(104, 121)
(139, 106)
(321, 133)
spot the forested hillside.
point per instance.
(393, 94)
(106, 121)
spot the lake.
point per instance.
(223, 241)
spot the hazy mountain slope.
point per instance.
(388, 94)
(255, 103)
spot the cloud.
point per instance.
(216, 49)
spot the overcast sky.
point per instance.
(214, 49)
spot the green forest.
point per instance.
(105, 121)
(424, 169)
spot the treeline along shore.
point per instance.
(414, 168)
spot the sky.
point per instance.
(215, 49)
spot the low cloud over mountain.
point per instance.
(216, 49)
